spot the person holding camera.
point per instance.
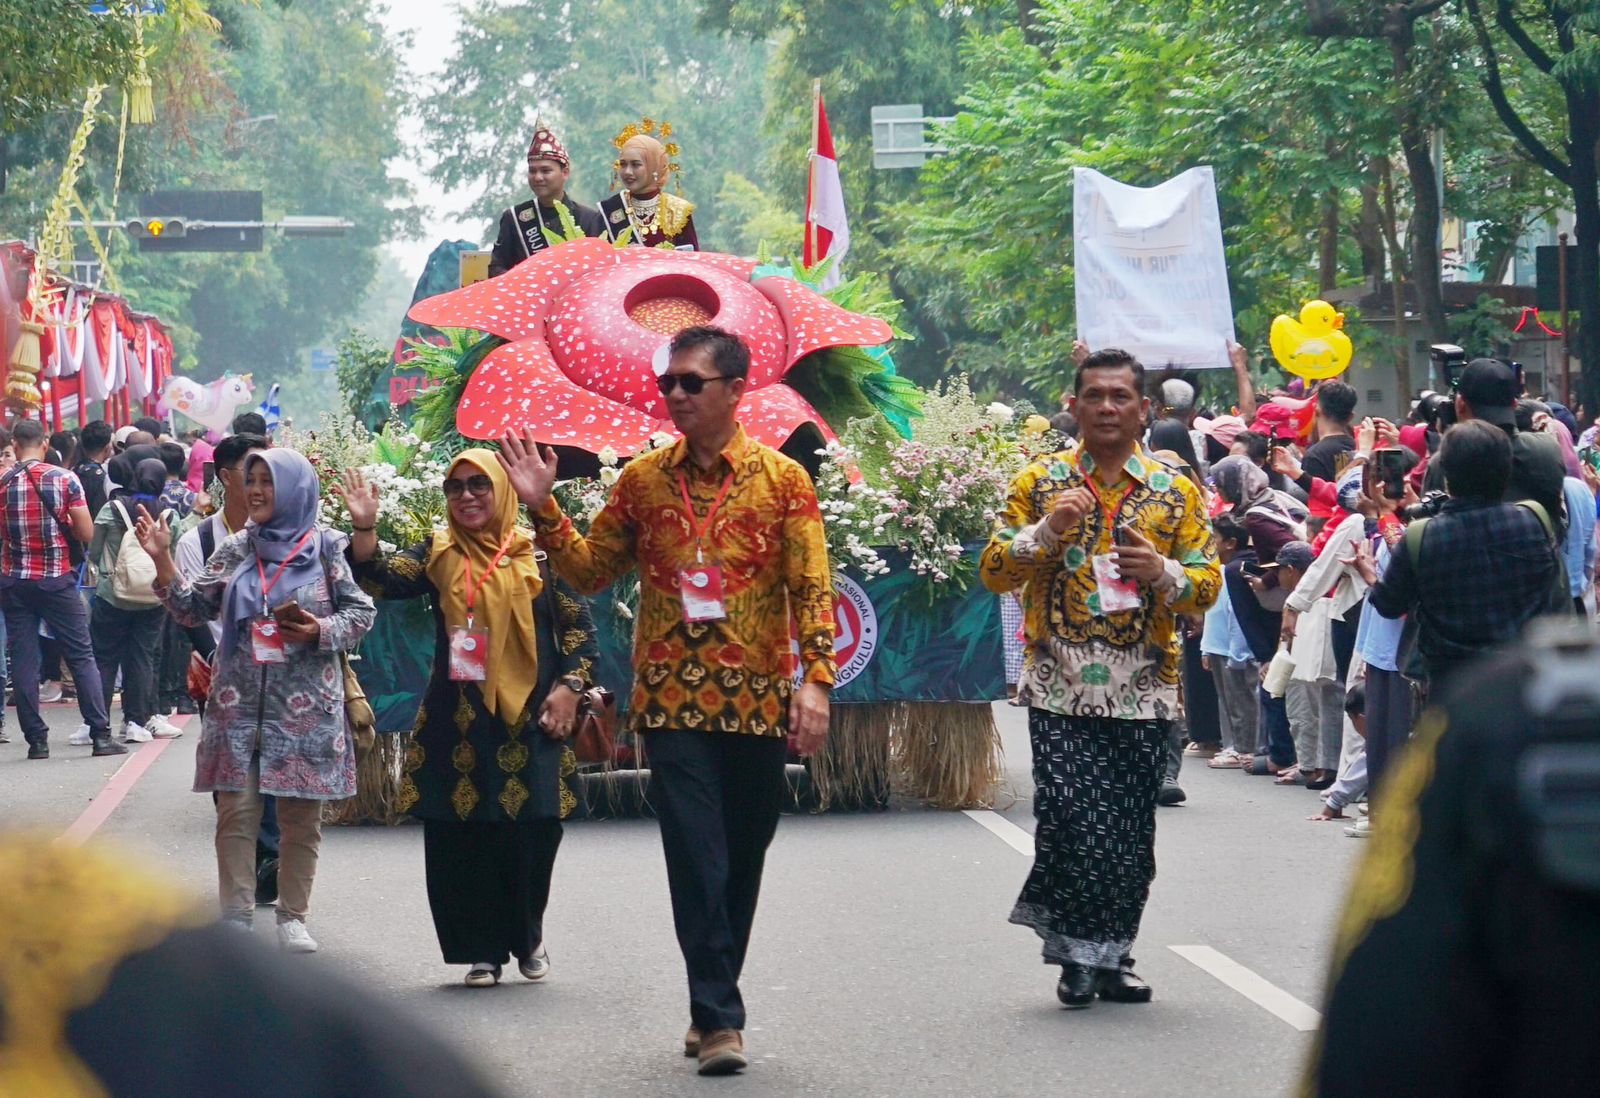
(1477, 572)
(1487, 390)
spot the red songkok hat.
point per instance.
(545, 146)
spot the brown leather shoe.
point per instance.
(722, 1053)
(691, 1041)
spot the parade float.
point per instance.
(567, 345)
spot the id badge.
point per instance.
(1116, 592)
(701, 589)
(266, 641)
(469, 654)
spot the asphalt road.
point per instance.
(882, 962)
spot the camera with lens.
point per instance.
(1448, 361)
(1429, 505)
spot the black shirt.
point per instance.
(521, 233)
(1322, 456)
(93, 477)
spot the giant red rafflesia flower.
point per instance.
(589, 323)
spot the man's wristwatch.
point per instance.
(574, 683)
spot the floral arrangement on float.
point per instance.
(567, 346)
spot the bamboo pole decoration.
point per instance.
(55, 248)
(141, 97)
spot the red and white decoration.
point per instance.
(827, 227)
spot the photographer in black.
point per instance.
(1487, 390)
(1477, 572)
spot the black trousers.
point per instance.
(718, 796)
(127, 639)
(488, 886)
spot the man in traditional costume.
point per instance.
(1108, 547)
(523, 228)
(656, 217)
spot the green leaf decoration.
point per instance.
(448, 368)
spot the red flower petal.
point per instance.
(519, 387)
(813, 322)
(515, 305)
(772, 414)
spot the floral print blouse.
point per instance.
(291, 713)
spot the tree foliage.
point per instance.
(300, 101)
(589, 68)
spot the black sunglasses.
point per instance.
(693, 384)
(479, 485)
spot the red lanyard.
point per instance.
(1111, 516)
(474, 588)
(699, 531)
(266, 584)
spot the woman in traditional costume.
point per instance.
(655, 217)
(514, 651)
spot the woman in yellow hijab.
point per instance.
(513, 651)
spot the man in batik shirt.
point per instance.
(727, 538)
(1107, 546)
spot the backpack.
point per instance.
(133, 576)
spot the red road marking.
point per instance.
(120, 785)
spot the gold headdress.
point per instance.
(661, 133)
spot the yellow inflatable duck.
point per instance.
(1312, 347)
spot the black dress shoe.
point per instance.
(1076, 987)
(109, 746)
(38, 751)
(1171, 793)
(1122, 984)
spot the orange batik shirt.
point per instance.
(734, 675)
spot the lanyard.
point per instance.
(1111, 516)
(474, 588)
(266, 584)
(699, 530)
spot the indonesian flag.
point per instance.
(827, 228)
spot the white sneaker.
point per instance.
(161, 728)
(536, 967)
(50, 692)
(1361, 829)
(136, 733)
(483, 974)
(81, 738)
(293, 937)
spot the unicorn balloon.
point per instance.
(211, 404)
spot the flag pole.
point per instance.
(811, 172)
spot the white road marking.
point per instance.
(1017, 838)
(1269, 997)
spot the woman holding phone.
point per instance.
(514, 650)
(274, 720)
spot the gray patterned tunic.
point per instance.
(291, 713)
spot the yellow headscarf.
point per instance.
(505, 602)
(654, 155)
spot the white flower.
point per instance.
(660, 440)
(999, 414)
(609, 474)
(608, 457)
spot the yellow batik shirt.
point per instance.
(735, 675)
(1080, 660)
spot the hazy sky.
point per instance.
(432, 22)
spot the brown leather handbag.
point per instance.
(595, 740)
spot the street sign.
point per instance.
(322, 359)
(187, 221)
(900, 137)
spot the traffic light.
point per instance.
(158, 228)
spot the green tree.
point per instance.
(301, 102)
(589, 68)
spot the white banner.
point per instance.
(1150, 271)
